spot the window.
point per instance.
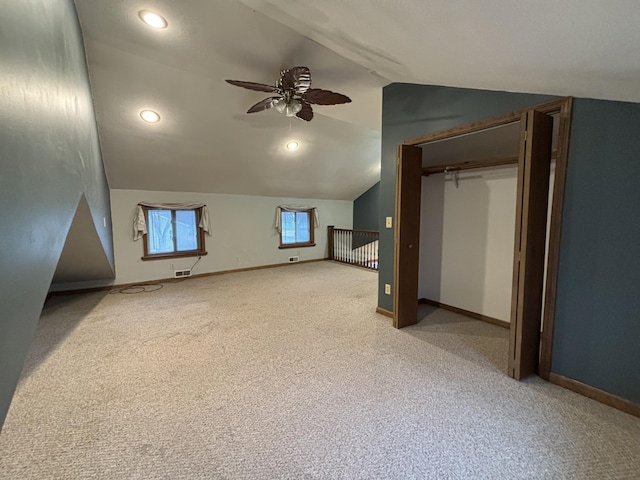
(173, 233)
(296, 229)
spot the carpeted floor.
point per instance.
(288, 373)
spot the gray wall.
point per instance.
(598, 302)
(597, 331)
(49, 159)
(366, 208)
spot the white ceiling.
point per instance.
(493, 143)
(206, 143)
(489, 144)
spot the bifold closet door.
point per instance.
(531, 218)
(407, 235)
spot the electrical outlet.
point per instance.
(387, 289)
(389, 222)
(172, 266)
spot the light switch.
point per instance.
(389, 222)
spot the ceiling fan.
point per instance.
(295, 94)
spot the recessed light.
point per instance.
(152, 19)
(292, 145)
(150, 116)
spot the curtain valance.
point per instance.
(295, 208)
(140, 222)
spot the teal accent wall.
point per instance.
(597, 328)
(49, 160)
(366, 208)
(598, 298)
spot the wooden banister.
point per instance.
(355, 247)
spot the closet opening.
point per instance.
(477, 227)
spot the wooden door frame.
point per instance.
(562, 107)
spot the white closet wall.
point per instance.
(467, 240)
(467, 235)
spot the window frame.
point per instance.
(311, 242)
(200, 251)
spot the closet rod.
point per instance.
(489, 162)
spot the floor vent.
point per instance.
(294, 259)
(181, 273)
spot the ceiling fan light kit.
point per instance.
(290, 109)
(295, 94)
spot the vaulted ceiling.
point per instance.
(205, 142)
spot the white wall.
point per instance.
(467, 235)
(243, 233)
(467, 240)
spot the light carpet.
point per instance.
(288, 373)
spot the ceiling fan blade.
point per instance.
(306, 113)
(325, 97)
(259, 87)
(265, 104)
(296, 78)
